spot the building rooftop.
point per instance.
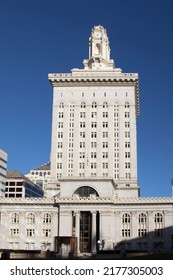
(15, 174)
(45, 166)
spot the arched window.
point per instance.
(47, 218)
(31, 218)
(142, 218)
(127, 105)
(126, 218)
(83, 105)
(105, 105)
(61, 105)
(15, 218)
(94, 104)
(86, 191)
(158, 218)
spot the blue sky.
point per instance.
(38, 37)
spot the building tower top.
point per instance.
(99, 51)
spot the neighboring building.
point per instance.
(3, 172)
(18, 185)
(40, 175)
(93, 197)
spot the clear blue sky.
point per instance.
(38, 37)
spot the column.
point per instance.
(93, 237)
(77, 222)
(150, 229)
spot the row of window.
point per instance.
(30, 218)
(93, 105)
(14, 232)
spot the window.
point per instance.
(127, 134)
(82, 165)
(61, 105)
(15, 218)
(105, 134)
(93, 114)
(93, 144)
(105, 154)
(82, 155)
(59, 144)
(127, 165)
(30, 232)
(105, 165)
(60, 124)
(127, 114)
(93, 124)
(60, 134)
(93, 154)
(93, 165)
(82, 144)
(105, 124)
(127, 105)
(94, 105)
(85, 191)
(105, 114)
(59, 165)
(126, 220)
(127, 154)
(83, 105)
(14, 232)
(82, 134)
(31, 218)
(47, 218)
(82, 114)
(105, 105)
(93, 134)
(47, 232)
(105, 144)
(61, 115)
(142, 225)
(82, 124)
(127, 124)
(127, 144)
(59, 155)
(158, 224)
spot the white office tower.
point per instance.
(94, 126)
(3, 172)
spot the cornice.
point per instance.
(87, 200)
(97, 79)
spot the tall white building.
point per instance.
(3, 172)
(93, 194)
(94, 122)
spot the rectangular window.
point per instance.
(125, 232)
(93, 124)
(14, 232)
(93, 144)
(105, 114)
(105, 144)
(46, 232)
(30, 232)
(93, 154)
(93, 134)
(105, 124)
(82, 144)
(93, 165)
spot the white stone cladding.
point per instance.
(94, 121)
